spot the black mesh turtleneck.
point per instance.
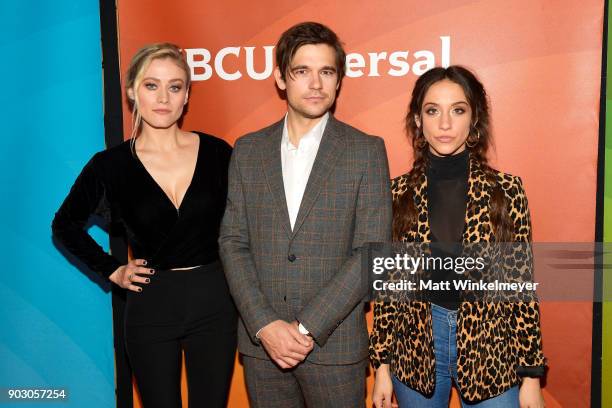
(447, 188)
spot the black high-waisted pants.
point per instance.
(182, 310)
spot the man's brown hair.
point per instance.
(303, 34)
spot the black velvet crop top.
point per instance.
(115, 183)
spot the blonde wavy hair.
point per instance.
(138, 65)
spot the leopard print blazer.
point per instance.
(497, 342)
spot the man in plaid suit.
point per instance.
(305, 195)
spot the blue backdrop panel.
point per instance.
(55, 317)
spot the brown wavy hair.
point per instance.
(306, 33)
(478, 143)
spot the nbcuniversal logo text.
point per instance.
(373, 64)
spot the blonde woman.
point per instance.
(168, 188)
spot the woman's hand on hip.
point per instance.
(134, 272)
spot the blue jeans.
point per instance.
(445, 350)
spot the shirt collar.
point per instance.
(311, 138)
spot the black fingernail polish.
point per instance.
(140, 289)
(152, 270)
(144, 262)
(147, 280)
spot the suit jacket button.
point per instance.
(291, 258)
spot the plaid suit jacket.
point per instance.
(313, 272)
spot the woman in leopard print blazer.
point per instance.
(491, 350)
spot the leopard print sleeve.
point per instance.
(525, 319)
(385, 313)
(381, 338)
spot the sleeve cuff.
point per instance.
(109, 267)
(380, 358)
(531, 372)
(262, 323)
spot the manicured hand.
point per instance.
(134, 272)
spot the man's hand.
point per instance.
(285, 344)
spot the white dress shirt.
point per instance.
(297, 164)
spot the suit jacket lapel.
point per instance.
(329, 149)
(478, 198)
(273, 170)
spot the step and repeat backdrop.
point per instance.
(540, 62)
(55, 322)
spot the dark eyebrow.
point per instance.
(327, 67)
(453, 104)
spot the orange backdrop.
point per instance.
(539, 60)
